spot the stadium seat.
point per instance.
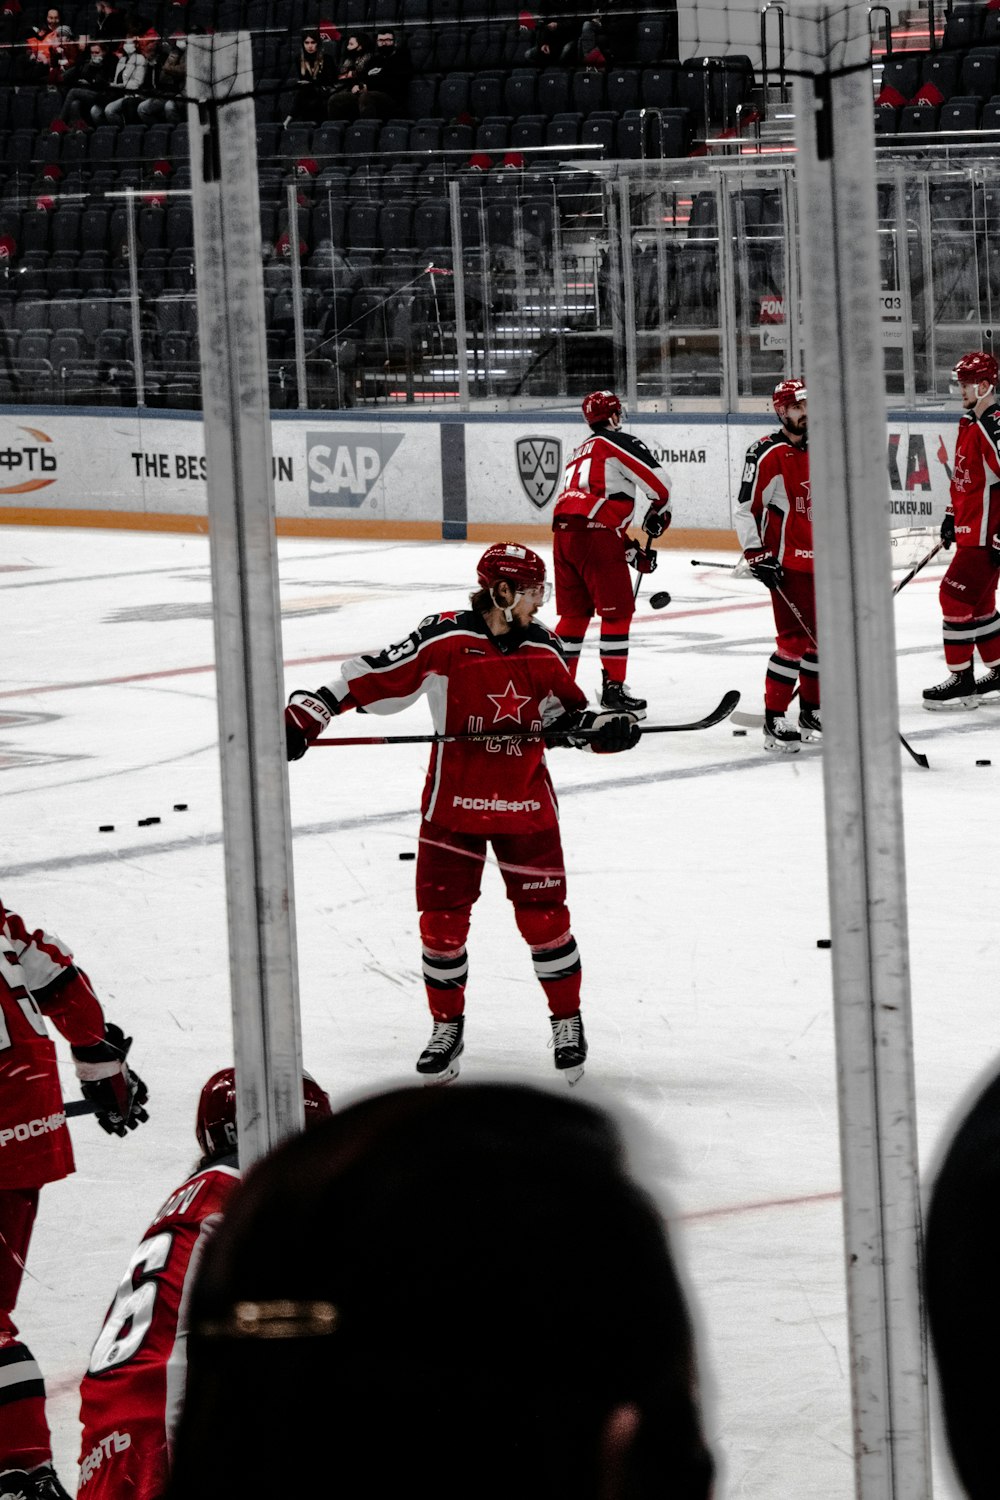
(457, 138)
(528, 133)
(67, 345)
(395, 137)
(537, 215)
(486, 95)
(564, 130)
(328, 140)
(426, 136)
(598, 133)
(979, 72)
(588, 92)
(453, 95)
(494, 133)
(33, 345)
(901, 72)
(519, 92)
(63, 272)
(361, 137)
(486, 48)
(917, 119)
(553, 91)
(886, 120)
(990, 119)
(449, 48)
(942, 69)
(362, 226)
(963, 27)
(960, 114)
(35, 227)
(651, 37)
(431, 223)
(396, 226)
(622, 90)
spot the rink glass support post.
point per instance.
(298, 309)
(249, 678)
(861, 760)
(134, 303)
(458, 268)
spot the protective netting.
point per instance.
(509, 204)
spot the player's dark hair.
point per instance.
(482, 601)
(467, 1274)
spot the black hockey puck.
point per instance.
(739, 734)
(984, 762)
(152, 820)
(106, 828)
(659, 601)
(142, 823)
(180, 807)
(407, 854)
(823, 943)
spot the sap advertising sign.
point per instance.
(344, 467)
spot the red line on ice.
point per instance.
(303, 661)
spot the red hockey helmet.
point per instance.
(976, 366)
(601, 406)
(510, 563)
(215, 1125)
(788, 393)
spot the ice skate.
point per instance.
(439, 1061)
(617, 698)
(779, 734)
(988, 688)
(958, 691)
(810, 726)
(570, 1046)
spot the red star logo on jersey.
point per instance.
(508, 704)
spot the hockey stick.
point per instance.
(73, 1107)
(914, 571)
(729, 567)
(920, 759)
(721, 711)
(656, 601)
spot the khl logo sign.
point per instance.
(345, 466)
(539, 465)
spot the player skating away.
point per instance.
(972, 522)
(490, 671)
(774, 526)
(39, 981)
(591, 550)
(132, 1393)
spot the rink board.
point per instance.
(384, 475)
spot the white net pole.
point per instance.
(256, 817)
(861, 753)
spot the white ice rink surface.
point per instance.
(698, 890)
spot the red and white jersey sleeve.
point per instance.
(774, 506)
(975, 484)
(38, 979)
(477, 684)
(132, 1393)
(603, 479)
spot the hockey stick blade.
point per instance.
(756, 721)
(721, 711)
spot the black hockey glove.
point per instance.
(655, 521)
(590, 729)
(117, 1094)
(642, 559)
(306, 716)
(995, 549)
(765, 568)
(948, 529)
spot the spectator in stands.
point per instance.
(127, 86)
(38, 45)
(568, 1368)
(608, 36)
(64, 53)
(344, 99)
(960, 1285)
(90, 86)
(386, 79)
(552, 41)
(146, 36)
(312, 79)
(110, 26)
(166, 102)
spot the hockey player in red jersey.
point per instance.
(493, 672)
(774, 526)
(39, 981)
(131, 1395)
(972, 522)
(591, 549)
